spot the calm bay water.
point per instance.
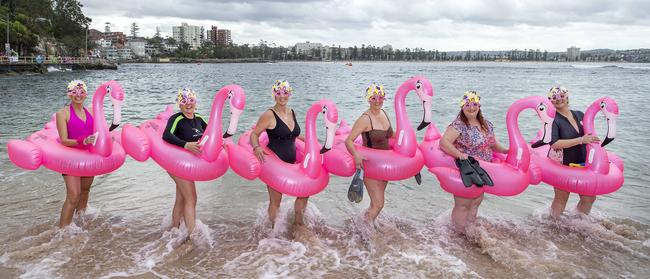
(123, 235)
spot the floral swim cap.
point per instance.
(470, 97)
(375, 89)
(282, 87)
(186, 95)
(77, 87)
(556, 91)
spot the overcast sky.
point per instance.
(445, 25)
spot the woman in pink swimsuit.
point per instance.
(75, 126)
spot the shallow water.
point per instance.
(123, 234)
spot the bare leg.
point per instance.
(275, 198)
(187, 190)
(460, 212)
(585, 204)
(179, 205)
(473, 210)
(559, 202)
(299, 208)
(85, 192)
(73, 192)
(376, 189)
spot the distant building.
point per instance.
(192, 35)
(117, 39)
(137, 46)
(306, 47)
(387, 48)
(223, 37)
(212, 34)
(95, 35)
(573, 54)
(103, 43)
(114, 53)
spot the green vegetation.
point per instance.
(37, 26)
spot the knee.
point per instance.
(72, 198)
(463, 208)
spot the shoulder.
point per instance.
(267, 114)
(578, 114)
(176, 117)
(63, 113)
(199, 116)
(489, 124)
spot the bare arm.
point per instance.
(497, 147)
(359, 126)
(263, 123)
(447, 143)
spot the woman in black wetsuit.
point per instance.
(568, 146)
(184, 129)
(281, 126)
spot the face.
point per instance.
(471, 109)
(282, 98)
(560, 101)
(77, 95)
(187, 106)
(376, 101)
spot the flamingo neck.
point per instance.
(103, 144)
(313, 159)
(213, 129)
(406, 142)
(518, 154)
(589, 118)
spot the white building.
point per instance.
(113, 53)
(573, 54)
(193, 35)
(306, 47)
(103, 43)
(137, 46)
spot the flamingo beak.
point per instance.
(426, 120)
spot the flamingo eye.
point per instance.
(324, 110)
(229, 94)
(541, 107)
(602, 105)
(418, 85)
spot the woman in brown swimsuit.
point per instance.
(375, 130)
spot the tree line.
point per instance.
(38, 25)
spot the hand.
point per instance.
(259, 153)
(358, 161)
(193, 147)
(586, 139)
(462, 156)
(89, 139)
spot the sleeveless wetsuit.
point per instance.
(562, 129)
(377, 139)
(282, 141)
(78, 129)
(181, 129)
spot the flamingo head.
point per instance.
(609, 107)
(425, 92)
(237, 101)
(546, 112)
(331, 117)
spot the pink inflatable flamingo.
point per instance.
(511, 176)
(603, 171)
(404, 159)
(146, 141)
(307, 176)
(44, 147)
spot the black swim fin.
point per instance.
(355, 192)
(468, 174)
(418, 178)
(485, 177)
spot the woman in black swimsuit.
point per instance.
(568, 146)
(281, 126)
(375, 130)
